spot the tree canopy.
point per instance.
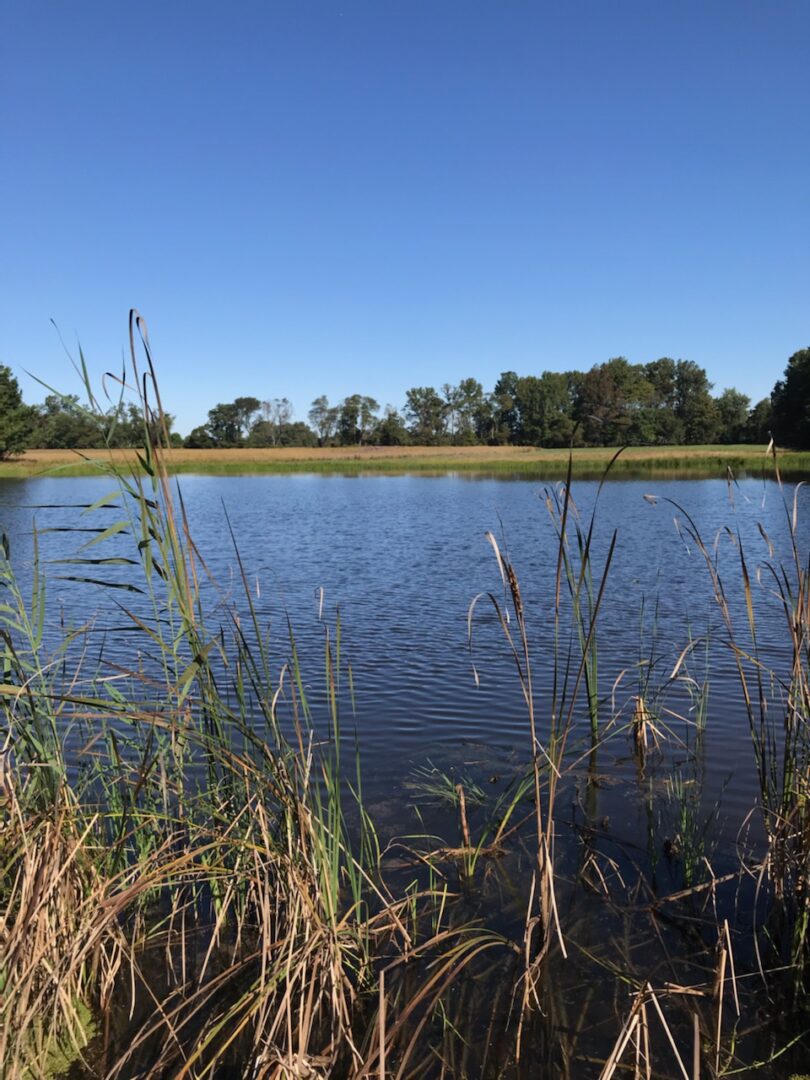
(790, 403)
(16, 418)
(662, 402)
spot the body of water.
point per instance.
(403, 557)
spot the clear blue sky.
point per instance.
(339, 197)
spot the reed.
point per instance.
(777, 706)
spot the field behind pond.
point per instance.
(521, 460)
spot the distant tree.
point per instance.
(296, 433)
(275, 415)
(357, 418)
(451, 401)
(733, 409)
(199, 438)
(695, 406)
(130, 424)
(611, 400)
(665, 424)
(61, 423)
(759, 424)
(470, 400)
(506, 417)
(485, 419)
(790, 403)
(268, 433)
(246, 410)
(225, 425)
(125, 427)
(391, 430)
(324, 419)
(424, 414)
(262, 434)
(544, 408)
(348, 429)
(462, 406)
(529, 428)
(16, 418)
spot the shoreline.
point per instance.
(525, 461)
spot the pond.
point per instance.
(403, 557)
(437, 697)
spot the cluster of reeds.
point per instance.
(776, 702)
(184, 871)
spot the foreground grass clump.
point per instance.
(186, 870)
(191, 885)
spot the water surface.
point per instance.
(402, 558)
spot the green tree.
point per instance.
(611, 403)
(324, 419)
(127, 426)
(391, 430)
(470, 401)
(759, 424)
(424, 414)
(276, 414)
(486, 419)
(504, 401)
(790, 403)
(665, 426)
(732, 411)
(266, 433)
(245, 409)
(544, 407)
(462, 405)
(62, 424)
(695, 406)
(199, 438)
(262, 435)
(225, 425)
(451, 406)
(16, 419)
(296, 433)
(357, 418)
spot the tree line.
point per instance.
(664, 402)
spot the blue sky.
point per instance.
(311, 197)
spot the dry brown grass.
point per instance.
(712, 460)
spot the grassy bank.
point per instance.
(696, 461)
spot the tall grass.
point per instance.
(776, 704)
(195, 850)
